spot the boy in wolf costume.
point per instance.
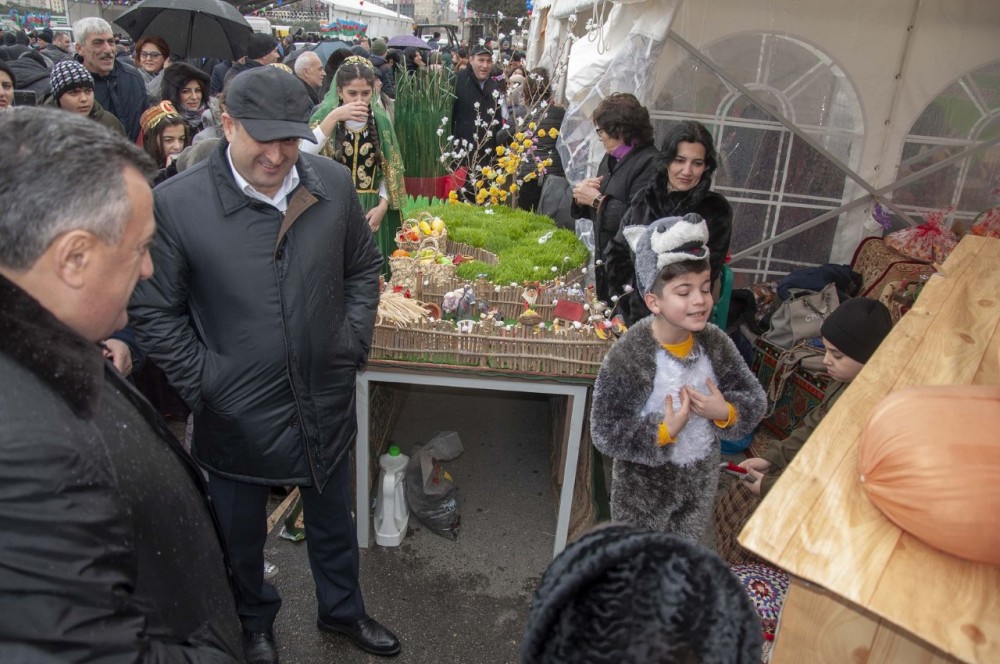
(670, 387)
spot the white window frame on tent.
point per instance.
(778, 199)
(988, 121)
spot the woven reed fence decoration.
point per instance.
(484, 345)
(429, 283)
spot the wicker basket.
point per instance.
(408, 272)
(567, 352)
(414, 225)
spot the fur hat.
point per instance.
(627, 594)
(175, 77)
(69, 75)
(666, 241)
(857, 327)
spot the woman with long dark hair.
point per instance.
(186, 87)
(353, 127)
(682, 184)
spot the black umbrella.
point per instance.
(192, 28)
(326, 48)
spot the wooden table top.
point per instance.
(817, 523)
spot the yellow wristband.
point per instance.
(663, 436)
(729, 421)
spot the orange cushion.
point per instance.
(930, 461)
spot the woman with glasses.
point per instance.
(624, 129)
(151, 56)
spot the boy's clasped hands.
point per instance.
(711, 406)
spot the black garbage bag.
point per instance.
(430, 490)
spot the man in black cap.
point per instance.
(261, 312)
(261, 50)
(477, 97)
(57, 45)
(45, 47)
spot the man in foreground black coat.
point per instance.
(261, 312)
(109, 550)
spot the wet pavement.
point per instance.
(463, 601)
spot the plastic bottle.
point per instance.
(391, 512)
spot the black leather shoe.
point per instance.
(368, 634)
(259, 647)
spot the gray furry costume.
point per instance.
(669, 488)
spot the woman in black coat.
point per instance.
(626, 133)
(681, 184)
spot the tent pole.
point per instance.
(805, 138)
(830, 214)
(904, 58)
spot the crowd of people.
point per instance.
(278, 189)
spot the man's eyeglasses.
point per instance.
(150, 55)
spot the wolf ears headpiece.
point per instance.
(666, 241)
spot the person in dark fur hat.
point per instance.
(851, 333)
(625, 594)
(186, 87)
(671, 387)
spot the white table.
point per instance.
(577, 394)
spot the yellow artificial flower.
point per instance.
(500, 150)
(513, 188)
(519, 136)
(526, 142)
(501, 179)
(479, 184)
(494, 190)
(532, 125)
(529, 177)
(553, 132)
(481, 196)
(547, 162)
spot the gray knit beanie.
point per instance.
(379, 47)
(627, 594)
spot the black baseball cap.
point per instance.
(479, 49)
(271, 104)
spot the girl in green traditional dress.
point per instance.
(353, 127)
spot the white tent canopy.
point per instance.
(818, 109)
(381, 21)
